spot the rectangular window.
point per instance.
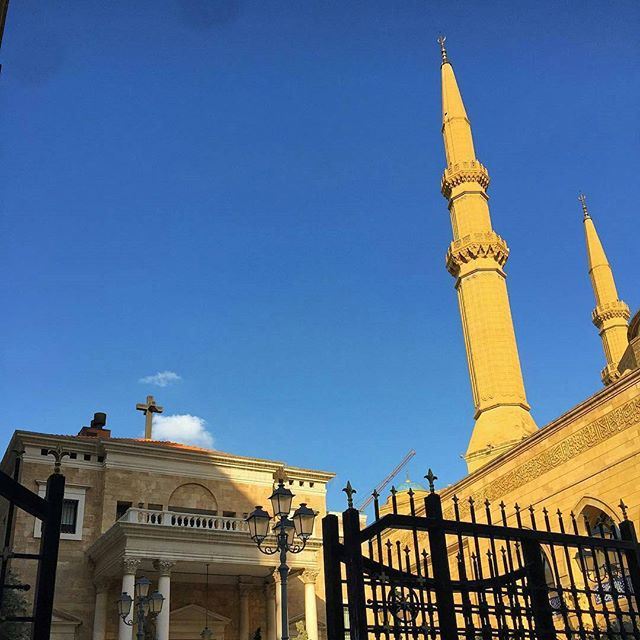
(121, 508)
(154, 507)
(69, 516)
(228, 514)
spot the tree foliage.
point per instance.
(14, 604)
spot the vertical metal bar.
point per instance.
(440, 563)
(355, 574)
(332, 578)
(8, 532)
(537, 586)
(628, 532)
(49, 544)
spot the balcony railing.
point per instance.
(184, 520)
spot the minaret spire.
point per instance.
(611, 315)
(476, 259)
(443, 50)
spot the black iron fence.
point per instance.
(49, 511)
(528, 574)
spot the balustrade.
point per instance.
(184, 520)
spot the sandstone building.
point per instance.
(169, 512)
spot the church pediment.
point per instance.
(62, 617)
(195, 611)
(187, 623)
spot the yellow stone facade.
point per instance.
(165, 511)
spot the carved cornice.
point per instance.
(610, 311)
(461, 172)
(474, 246)
(130, 565)
(605, 427)
(163, 567)
(309, 576)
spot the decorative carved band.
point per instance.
(130, 565)
(474, 246)
(610, 311)
(163, 567)
(461, 172)
(624, 417)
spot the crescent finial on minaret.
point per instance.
(443, 50)
(583, 201)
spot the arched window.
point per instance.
(193, 498)
(598, 523)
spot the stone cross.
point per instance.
(149, 408)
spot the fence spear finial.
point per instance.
(349, 490)
(431, 478)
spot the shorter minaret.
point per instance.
(611, 315)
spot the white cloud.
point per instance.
(186, 429)
(161, 379)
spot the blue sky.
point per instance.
(246, 194)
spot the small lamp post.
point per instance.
(285, 530)
(145, 605)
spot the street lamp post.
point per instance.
(145, 605)
(286, 530)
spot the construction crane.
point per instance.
(387, 480)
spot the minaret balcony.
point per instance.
(610, 311)
(473, 247)
(462, 172)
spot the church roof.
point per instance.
(177, 447)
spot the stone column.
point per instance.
(129, 568)
(309, 577)
(163, 567)
(100, 613)
(245, 591)
(278, 594)
(270, 595)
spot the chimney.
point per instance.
(97, 428)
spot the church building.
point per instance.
(176, 515)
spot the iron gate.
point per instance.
(49, 511)
(476, 574)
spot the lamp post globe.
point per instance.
(286, 527)
(206, 634)
(281, 499)
(142, 587)
(156, 601)
(124, 605)
(303, 521)
(258, 522)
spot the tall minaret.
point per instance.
(611, 315)
(476, 259)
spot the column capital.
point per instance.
(276, 576)
(101, 583)
(309, 576)
(245, 588)
(130, 565)
(163, 567)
